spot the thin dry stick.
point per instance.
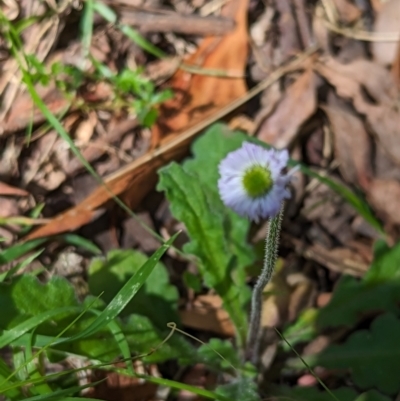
(363, 35)
(302, 22)
(330, 19)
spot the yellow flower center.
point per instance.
(257, 181)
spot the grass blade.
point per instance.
(86, 29)
(18, 250)
(59, 395)
(8, 336)
(24, 263)
(81, 242)
(124, 296)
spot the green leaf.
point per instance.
(8, 336)
(379, 290)
(25, 297)
(29, 364)
(192, 281)
(9, 273)
(219, 354)
(218, 237)
(208, 151)
(124, 295)
(143, 336)
(18, 250)
(243, 389)
(313, 394)
(60, 395)
(153, 307)
(106, 12)
(147, 116)
(201, 392)
(79, 399)
(157, 299)
(302, 330)
(372, 395)
(87, 28)
(81, 242)
(372, 356)
(136, 37)
(13, 393)
(386, 264)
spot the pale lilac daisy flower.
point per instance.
(252, 182)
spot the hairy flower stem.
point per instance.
(271, 254)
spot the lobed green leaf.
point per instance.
(378, 290)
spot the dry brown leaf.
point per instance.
(347, 12)
(6, 189)
(352, 144)
(323, 299)
(40, 155)
(85, 129)
(296, 106)
(37, 39)
(207, 314)
(24, 112)
(341, 260)
(9, 207)
(135, 174)
(384, 117)
(117, 387)
(396, 67)
(384, 197)
(302, 296)
(139, 176)
(385, 122)
(199, 95)
(289, 39)
(373, 77)
(200, 376)
(275, 304)
(388, 20)
(321, 33)
(97, 147)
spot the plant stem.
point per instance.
(271, 254)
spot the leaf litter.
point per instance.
(337, 111)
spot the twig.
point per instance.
(173, 22)
(331, 22)
(303, 24)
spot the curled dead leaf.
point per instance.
(199, 95)
(298, 103)
(347, 12)
(388, 20)
(352, 144)
(384, 196)
(207, 314)
(383, 116)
